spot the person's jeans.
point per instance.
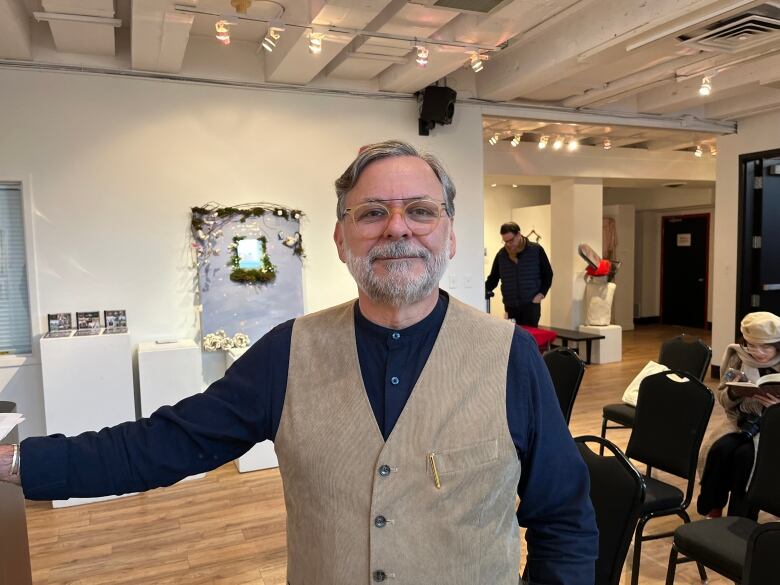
(727, 469)
(527, 314)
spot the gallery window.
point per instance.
(15, 331)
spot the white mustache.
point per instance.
(398, 249)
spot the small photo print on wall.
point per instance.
(60, 321)
(116, 321)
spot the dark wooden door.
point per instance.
(758, 282)
(684, 279)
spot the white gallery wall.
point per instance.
(756, 134)
(110, 167)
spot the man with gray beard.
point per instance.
(405, 422)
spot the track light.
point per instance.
(493, 140)
(543, 142)
(607, 144)
(223, 32)
(516, 140)
(315, 42)
(274, 28)
(706, 87)
(558, 144)
(574, 144)
(698, 152)
(514, 185)
(422, 55)
(476, 61)
(493, 184)
(713, 150)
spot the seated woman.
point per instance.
(729, 463)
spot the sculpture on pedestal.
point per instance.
(600, 286)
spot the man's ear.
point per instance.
(453, 241)
(338, 237)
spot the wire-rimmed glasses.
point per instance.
(372, 218)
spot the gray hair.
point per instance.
(390, 149)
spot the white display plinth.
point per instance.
(87, 385)
(262, 455)
(168, 373)
(609, 349)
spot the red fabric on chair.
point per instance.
(543, 337)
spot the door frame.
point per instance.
(708, 217)
(743, 247)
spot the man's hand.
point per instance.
(538, 298)
(6, 456)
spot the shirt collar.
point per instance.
(429, 324)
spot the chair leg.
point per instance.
(603, 434)
(672, 566)
(702, 572)
(640, 527)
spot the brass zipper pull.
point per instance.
(436, 480)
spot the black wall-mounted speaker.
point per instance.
(437, 106)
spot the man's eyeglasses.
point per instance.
(372, 218)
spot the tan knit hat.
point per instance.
(760, 328)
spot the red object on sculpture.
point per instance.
(543, 337)
(602, 270)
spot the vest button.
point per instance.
(379, 576)
(380, 521)
(384, 470)
(396, 335)
(394, 380)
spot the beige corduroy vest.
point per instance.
(361, 510)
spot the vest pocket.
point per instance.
(462, 458)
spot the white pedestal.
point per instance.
(262, 455)
(87, 385)
(606, 350)
(168, 373)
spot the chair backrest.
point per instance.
(617, 492)
(566, 370)
(762, 563)
(686, 353)
(764, 491)
(671, 417)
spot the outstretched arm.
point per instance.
(197, 434)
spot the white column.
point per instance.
(576, 211)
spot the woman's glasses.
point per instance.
(372, 218)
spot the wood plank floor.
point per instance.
(229, 528)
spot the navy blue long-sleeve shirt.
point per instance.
(245, 407)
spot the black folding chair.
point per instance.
(672, 414)
(684, 352)
(617, 492)
(566, 370)
(739, 548)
